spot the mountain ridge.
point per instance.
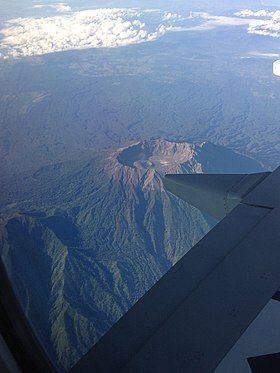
(92, 237)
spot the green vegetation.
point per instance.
(90, 237)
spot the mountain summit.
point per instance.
(145, 162)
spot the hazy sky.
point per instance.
(16, 7)
(46, 27)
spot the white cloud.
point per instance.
(264, 55)
(212, 21)
(115, 27)
(259, 13)
(77, 30)
(268, 25)
(262, 22)
(171, 16)
(58, 7)
(250, 13)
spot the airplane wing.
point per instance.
(193, 316)
(265, 363)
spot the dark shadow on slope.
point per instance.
(64, 228)
(133, 154)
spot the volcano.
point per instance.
(89, 238)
